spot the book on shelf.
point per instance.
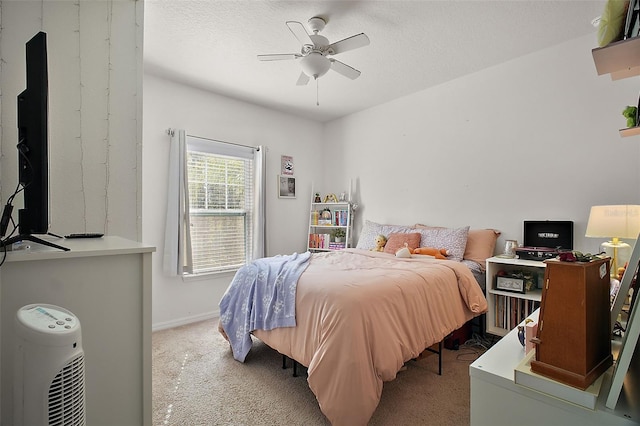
(340, 217)
(323, 241)
(587, 398)
(318, 241)
(511, 311)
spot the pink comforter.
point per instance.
(361, 315)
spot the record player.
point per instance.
(545, 239)
(537, 253)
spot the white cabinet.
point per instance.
(497, 400)
(106, 283)
(328, 222)
(506, 309)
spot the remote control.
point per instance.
(85, 235)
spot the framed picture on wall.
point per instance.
(286, 186)
(287, 165)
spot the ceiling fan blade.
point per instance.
(350, 43)
(278, 56)
(300, 32)
(344, 69)
(302, 80)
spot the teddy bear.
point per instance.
(630, 113)
(380, 241)
(430, 251)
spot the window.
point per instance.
(215, 206)
(220, 186)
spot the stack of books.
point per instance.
(319, 241)
(340, 217)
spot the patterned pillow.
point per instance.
(397, 241)
(371, 229)
(452, 239)
(481, 243)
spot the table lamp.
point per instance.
(615, 222)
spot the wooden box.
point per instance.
(573, 343)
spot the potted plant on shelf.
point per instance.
(338, 235)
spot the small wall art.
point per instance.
(286, 186)
(287, 165)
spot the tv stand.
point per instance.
(31, 238)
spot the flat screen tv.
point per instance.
(33, 135)
(33, 142)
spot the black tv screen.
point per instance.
(33, 163)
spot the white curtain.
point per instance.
(177, 236)
(259, 223)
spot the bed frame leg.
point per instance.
(439, 353)
(295, 365)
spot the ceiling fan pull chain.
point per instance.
(317, 93)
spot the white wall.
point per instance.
(532, 139)
(95, 56)
(169, 104)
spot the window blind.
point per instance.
(221, 205)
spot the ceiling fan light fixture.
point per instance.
(315, 64)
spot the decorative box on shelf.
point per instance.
(516, 281)
(510, 284)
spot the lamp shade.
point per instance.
(315, 64)
(621, 221)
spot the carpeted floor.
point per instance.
(196, 381)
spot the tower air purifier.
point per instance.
(49, 382)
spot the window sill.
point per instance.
(187, 278)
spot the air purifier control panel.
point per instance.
(47, 318)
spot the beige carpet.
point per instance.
(196, 381)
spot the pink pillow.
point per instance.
(481, 244)
(366, 240)
(397, 241)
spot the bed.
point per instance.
(358, 316)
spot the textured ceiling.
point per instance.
(415, 45)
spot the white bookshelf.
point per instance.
(506, 309)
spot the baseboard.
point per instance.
(183, 321)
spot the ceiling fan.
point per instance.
(316, 49)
